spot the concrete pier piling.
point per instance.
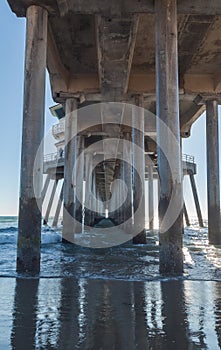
(213, 181)
(69, 169)
(127, 169)
(167, 94)
(29, 232)
(150, 196)
(139, 172)
(79, 184)
(58, 209)
(88, 220)
(186, 216)
(196, 200)
(50, 202)
(45, 188)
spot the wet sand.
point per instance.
(68, 313)
(111, 298)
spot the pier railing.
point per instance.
(60, 155)
(58, 128)
(52, 157)
(188, 159)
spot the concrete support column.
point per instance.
(113, 201)
(88, 189)
(127, 169)
(50, 202)
(138, 172)
(93, 205)
(186, 215)
(213, 182)
(168, 138)
(196, 200)
(78, 208)
(120, 194)
(29, 227)
(69, 169)
(58, 209)
(45, 188)
(150, 196)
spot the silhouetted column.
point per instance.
(127, 168)
(70, 169)
(196, 200)
(139, 172)
(45, 188)
(213, 182)
(120, 193)
(29, 227)
(150, 196)
(58, 209)
(50, 202)
(168, 138)
(78, 213)
(186, 215)
(88, 189)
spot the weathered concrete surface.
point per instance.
(88, 215)
(213, 181)
(29, 231)
(79, 184)
(171, 256)
(116, 38)
(72, 49)
(139, 172)
(69, 175)
(127, 168)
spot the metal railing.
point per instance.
(188, 159)
(58, 128)
(52, 157)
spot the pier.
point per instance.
(148, 69)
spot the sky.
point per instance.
(12, 39)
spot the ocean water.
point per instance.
(111, 298)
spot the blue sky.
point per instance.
(12, 38)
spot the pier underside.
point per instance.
(162, 58)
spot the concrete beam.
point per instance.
(114, 7)
(29, 227)
(87, 86)
(189, 117)
(116, 38)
